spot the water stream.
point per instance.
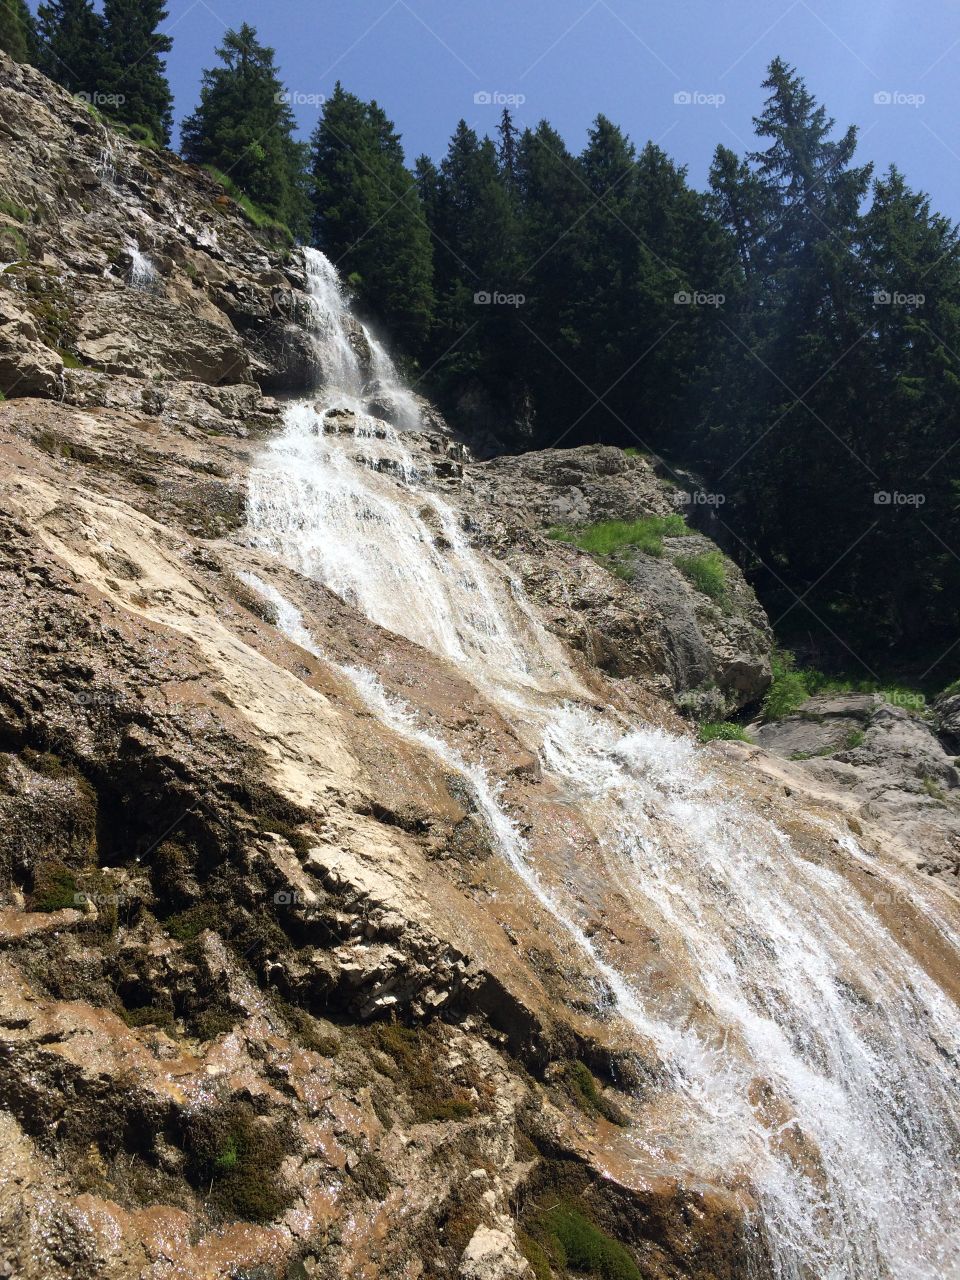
(822, 1063)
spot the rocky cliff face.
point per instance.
(273, 1002)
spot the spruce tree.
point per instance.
(18, 34)
(477, 340)
(135, 76)
(243, 127)
(71, 45)
(368, 218)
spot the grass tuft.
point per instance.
(581, 1246)
(610, 536)
(707, 572)
(723, 731)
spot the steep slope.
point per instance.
(369, 911)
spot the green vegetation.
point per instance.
(236, 1157)
(572, 1241)
(415, 1054)
(244, 126)
(611, 536)
(707, 572)
(18, 33)
(792, 686)
(723, 731)
(187, 925)
(54, 887)
(587, 1095)
(259, 217)
(360, 180)
(13, 210)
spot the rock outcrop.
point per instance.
(647, 619)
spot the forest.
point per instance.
(788, 336)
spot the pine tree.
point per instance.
(369, 220)
(477, 340)
(18, 34)
(135, 76)
(71, 45)
(243, 128)
(508, 135)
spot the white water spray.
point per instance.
(811, 1053)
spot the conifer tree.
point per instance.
(134, 73)
(18, 33)
(71, 45)
(368, 217)
(243, 127)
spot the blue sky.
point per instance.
(424, 60)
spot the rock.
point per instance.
(946, 714)
(27, 366)
(648, 621)
(492, 1255)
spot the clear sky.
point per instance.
(425, 60)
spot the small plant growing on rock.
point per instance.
(706, 572)
(573, 1242)
(723, 731)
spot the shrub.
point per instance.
(788, 690)
(723, 731)
(707, 572)
(584, 1247)
(609, 536)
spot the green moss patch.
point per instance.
(706, 572)
(587, 1095)
(235, 1157)
(416, 1053)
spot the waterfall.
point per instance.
(805, 1050)
(143, 274)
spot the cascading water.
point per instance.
(143, 274)
(821, 1060)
